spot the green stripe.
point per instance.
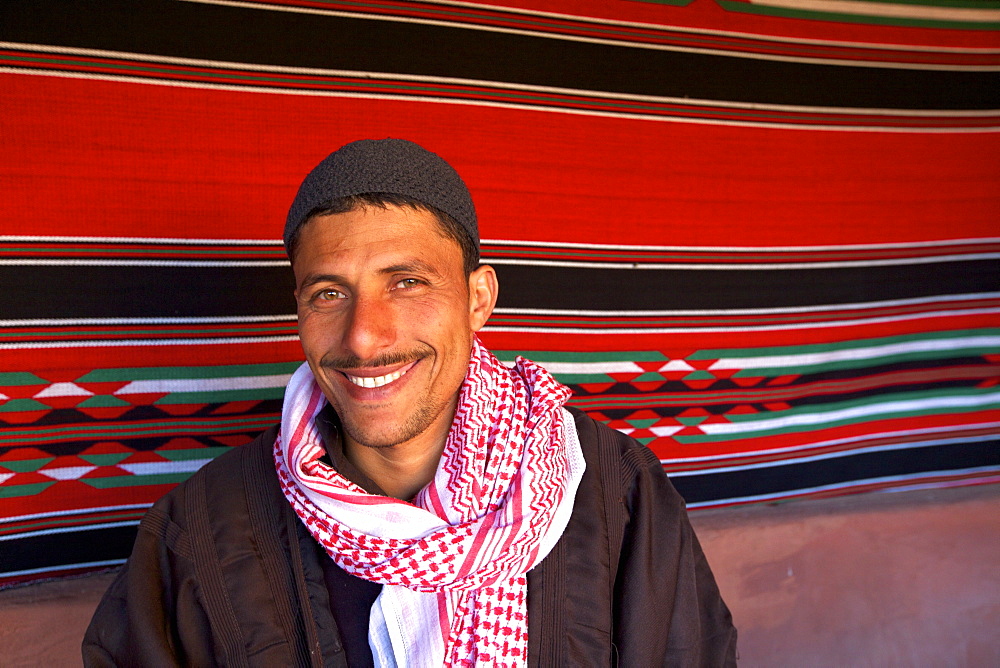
(601, 402)
(25, 465)
(583, 378)
(954, 4)
(188, 372)
(103, 401)
(542, 356)
(9, 491)
(856, 18)
(137, 480)
(193, 453)
(222, 396)
(834, 406)
(15, 378)
(822, 426)
(821, 367)
(100, 432)
(719, 353)
(23, 406)
(109, 459)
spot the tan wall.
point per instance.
(902, 579)
(905, 579)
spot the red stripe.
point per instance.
(40, 360)
(894, 178)
(682, 343)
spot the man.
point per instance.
(420, 504)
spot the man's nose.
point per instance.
(370, 329)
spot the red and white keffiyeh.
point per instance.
(453, 563)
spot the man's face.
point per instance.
(386, 317)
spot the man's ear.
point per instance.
(483, 290)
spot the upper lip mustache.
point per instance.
(372, 371)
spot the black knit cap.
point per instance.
(392, 166)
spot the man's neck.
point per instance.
(401, 470)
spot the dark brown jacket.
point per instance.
(224, 573)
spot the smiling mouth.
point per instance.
(377, 381)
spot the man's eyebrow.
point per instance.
(313, 279)
(413, 266)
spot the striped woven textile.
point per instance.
(761, 237)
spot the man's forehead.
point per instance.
(346, 245)
(405, 225)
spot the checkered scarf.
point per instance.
(453, 563)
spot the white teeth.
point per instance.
(377, 381)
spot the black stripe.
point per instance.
(28, 292)
(838, 470)
(63, 550)
(131, 292)
(245, 35)
(652, 289)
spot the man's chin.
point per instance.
(389, 433)
(376, 441)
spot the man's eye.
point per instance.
(330, 295)
(408, 283)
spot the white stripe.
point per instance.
(886, 9)
(941, 485)
(13, 238)
(158, 468)
(74, 262)
(63, 567)
(69, 322)
(748, 249)
(590, 367)
(74, 511)
(829, 455)
(145, 342)
(760, 498)
(691, 266)
(66, 472)
(866, 353)
(63, 389)
(816, 445)
(494, 104)
(744, 328)
(159, 386)
(587, 40)
(854, 413)
(748, 311)
(548, 244)
(85, 527)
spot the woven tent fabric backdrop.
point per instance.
(759, 238)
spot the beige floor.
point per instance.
(905, 579)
